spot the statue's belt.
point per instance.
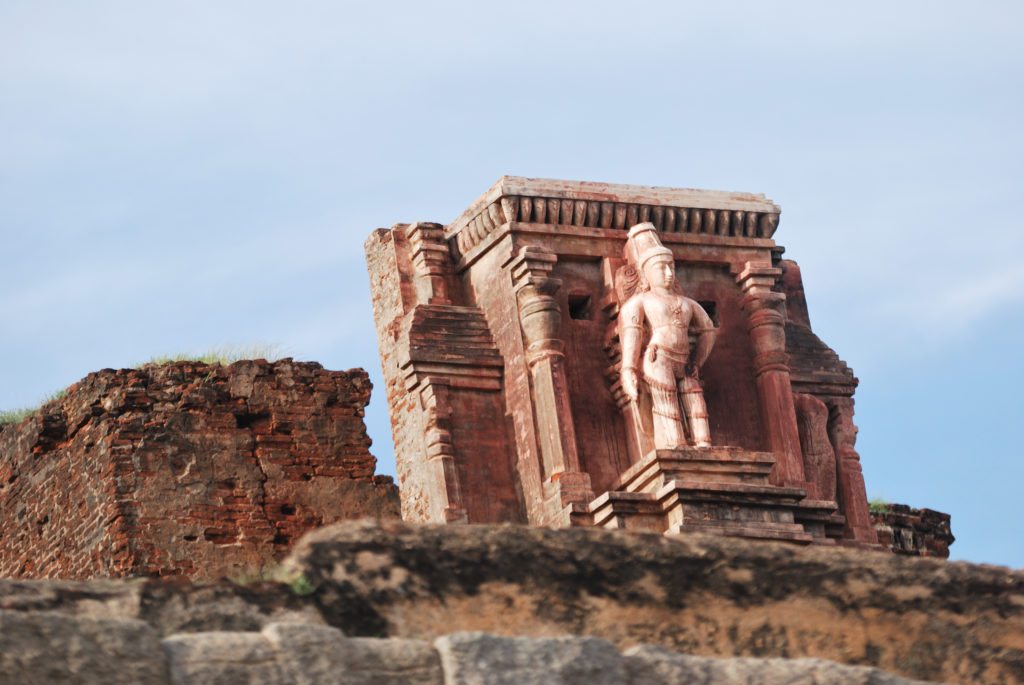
(654, 351)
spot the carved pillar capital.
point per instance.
(539, 313)
(757, 277)
(431, 259)
(766, 316)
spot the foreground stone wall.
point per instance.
(185, 469)
(915, 532)
(52, 648)
(699, 595)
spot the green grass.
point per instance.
(296, 581)
(221, 355)
(18, 415)
(878, 505)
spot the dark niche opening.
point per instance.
(712, 309)
(250, 420)
(579, 306)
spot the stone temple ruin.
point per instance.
(502, 339)
(577, 357)
(562, 354)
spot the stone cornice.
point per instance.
(612, 206)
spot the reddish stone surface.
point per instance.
(914, 532)
(185, 469)
(501, 353)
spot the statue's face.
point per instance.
(660, 272)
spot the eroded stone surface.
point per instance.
(45, 647)
(922, 618)
(708, 596)
(318, 654)
(482, 659)
(222, 658)
(185, 469)
(658, 666)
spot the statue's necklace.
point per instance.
(675, 309)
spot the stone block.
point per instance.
(47, 647)
(482, 659)
(647, 665)
(317, 654)
(223, 658)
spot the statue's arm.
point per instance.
(705, 330)
(631, 332)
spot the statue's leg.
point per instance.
(696, 411)
(668, 417)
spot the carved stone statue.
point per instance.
(655, 324)
(819, 456)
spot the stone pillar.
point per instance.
(430, 259)
(766, 323)
(540, 318)
(853, 498)
(440, 452)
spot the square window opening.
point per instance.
(579, 306)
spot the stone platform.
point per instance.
(722, 490)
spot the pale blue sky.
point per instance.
(178, 176)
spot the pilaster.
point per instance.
(439, 450)
(540, 319)
(766, 325)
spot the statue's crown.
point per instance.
(643, 244)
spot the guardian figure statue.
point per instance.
(655, 324)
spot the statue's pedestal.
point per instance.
(721, 490)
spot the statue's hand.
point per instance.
(629, 384)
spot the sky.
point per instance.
(181, 176)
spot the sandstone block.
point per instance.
(47, 647)
(647, 665)
(318, 654)
(482, 659)
(223, 658)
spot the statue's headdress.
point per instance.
(643, 245)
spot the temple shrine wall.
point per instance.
(393, 294)
(598, 420)
(510, 430)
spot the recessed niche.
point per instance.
(712, 309)
(579, 306)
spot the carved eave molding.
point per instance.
(709, 214)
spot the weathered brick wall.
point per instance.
(186, 469)
(917, 532)
(390, 289)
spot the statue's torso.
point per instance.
(668, 316)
